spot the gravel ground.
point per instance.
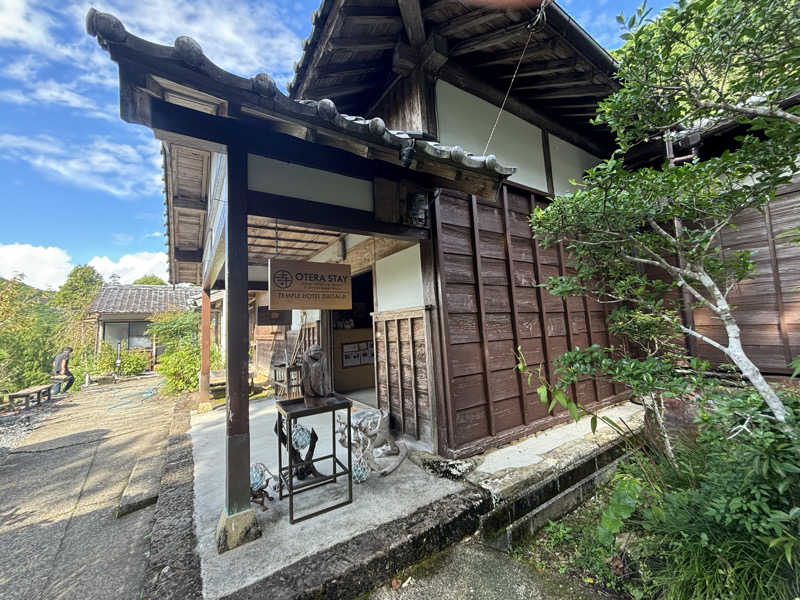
(15, 428)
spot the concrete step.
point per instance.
(144, 482)
(525, 498)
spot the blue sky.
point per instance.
(81, 185)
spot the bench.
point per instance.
(36, 391)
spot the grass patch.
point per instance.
(571, 547)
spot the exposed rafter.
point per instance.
(344, 89)
(349, 69)
(412, 21)
(359, 44)
(543, 67)
(473, 18)
(482, 42)
(371, 15)
(577, 92)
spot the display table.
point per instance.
(291, 410)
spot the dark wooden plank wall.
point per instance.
(767, 306)
(489, 267)
(402, 371)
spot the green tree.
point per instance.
(638, 238)
(150, 280)
(80, 287)
(27, 323)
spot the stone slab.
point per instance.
(144, 483)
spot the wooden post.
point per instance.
(237, 523)
(205, 346)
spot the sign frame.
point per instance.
(300, 284)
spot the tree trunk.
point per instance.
(752, 372)
(735, 351)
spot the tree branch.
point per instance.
(757, 111)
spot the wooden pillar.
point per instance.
(237, 523)
(205, 346)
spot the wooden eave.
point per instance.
(196, 108)
(484, 43)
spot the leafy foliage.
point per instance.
(150, 280)
(78, 290)
(132, 362)
(27, 324)
(704, 61)
(624, 500)
(180, 361)
(726, 521)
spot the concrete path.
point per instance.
(472, 571)
(59, 490)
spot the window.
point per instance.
(137, 335)
(115, 333)
(131, 334)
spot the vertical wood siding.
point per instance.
(402, 371)
(767, 306)
(489, 268)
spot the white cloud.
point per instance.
(132, 266)
(45, 268)
(48, 267)
(155, 234)
(100, 164)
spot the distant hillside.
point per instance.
(32, 294)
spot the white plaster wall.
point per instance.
(466, 120)
(398, 280)
(297, 181)
(569, 162)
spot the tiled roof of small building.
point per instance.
(143, 299)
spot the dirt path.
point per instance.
(58, 492)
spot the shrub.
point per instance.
(178, 332)
(725, 521)
(134, 362)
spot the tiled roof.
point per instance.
(143, 299)
(110, 32)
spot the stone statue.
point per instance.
(315, 376)
(371, 440)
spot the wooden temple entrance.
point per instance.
(253, 176)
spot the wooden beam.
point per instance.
(349, 69)
(348, 220)
(205, 345)
(569, 82)
(436, 6)
(285, 239)
(332, 22)
(237, 488)
(481, 300)
(470, 19)
(577, 92)
(487, 40)
(543, 67)
(251, 135)
(460, 77)
(512, 56)
(510, 273)
(253, 286)
(412, 21)
(189, 203)
(371, 15)
(293, 230)
(193, 256)
(342, 89)
(381, 42)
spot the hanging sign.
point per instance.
(301, 284)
